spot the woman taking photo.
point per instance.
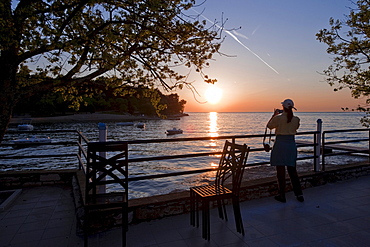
(284, 152)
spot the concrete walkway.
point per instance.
(332, 215)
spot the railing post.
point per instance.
(317, 149)
(102, 138)
(79, 150)
(323, 151)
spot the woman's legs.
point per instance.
(292, 170)
(280, 174)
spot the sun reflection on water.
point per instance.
(213, 164)
(213, 128)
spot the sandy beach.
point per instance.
(82, 117)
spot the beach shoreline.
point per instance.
(83, 117)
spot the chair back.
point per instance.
(232, 165)
(106, 170)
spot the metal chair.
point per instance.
(101, 171)
(231, 166)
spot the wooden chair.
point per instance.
(101, 171)
(231, 166)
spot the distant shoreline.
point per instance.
(83, 117)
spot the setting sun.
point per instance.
(213, 95)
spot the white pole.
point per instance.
(317, 151)
(102, 138)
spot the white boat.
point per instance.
(174, 131)
(25, 125)
(36, 139)
(140, 125)
(125, 124)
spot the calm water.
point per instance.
(194, 125)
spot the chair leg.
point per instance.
(224, 208)
(86, 227)
(238, 216)
(220, 209)
(124, 225)
(204, 227)
(192, 208)
(206, 222)
(197, 210)
(123, 236)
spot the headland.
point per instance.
(84, 117)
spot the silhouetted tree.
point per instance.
(349, 42)
(65, 45)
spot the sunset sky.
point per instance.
(275, 57)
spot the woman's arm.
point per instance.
(270, 125)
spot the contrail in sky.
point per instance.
(239, 34)
(241, 43)
(246, 47)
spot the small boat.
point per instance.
(125, 124)
(36, 139)
(173, 118)
(25, 125)
(140, 125)
(174, 131)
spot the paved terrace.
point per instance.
(336, 214)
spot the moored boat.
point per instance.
(25, 125)
(174, 131)
(36, 139)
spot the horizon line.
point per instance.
(272, 112)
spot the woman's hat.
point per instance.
(288, 103)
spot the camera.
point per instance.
(280, 111)
(266, 147)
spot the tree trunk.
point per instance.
(6, 113)
(7, 103)
(8, 89)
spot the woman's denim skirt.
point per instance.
(284, 151)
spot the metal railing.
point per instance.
(43, 156)
(316, 135)
(327, 146)
(233, 138)
(315, 139)
(83, 141)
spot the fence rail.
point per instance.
(39, 156)
(345, 150)
(315, 139)
(233, 138)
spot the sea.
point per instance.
(206, 124)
